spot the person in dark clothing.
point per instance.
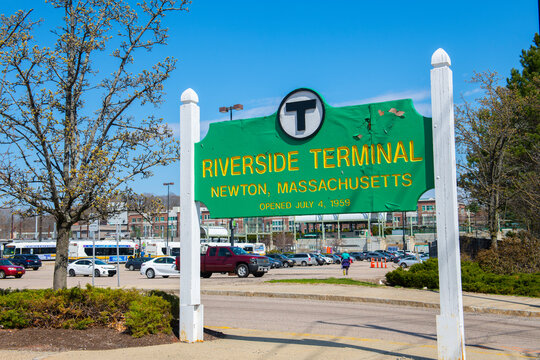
(345, 263)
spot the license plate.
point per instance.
(19, 272)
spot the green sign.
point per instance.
(311, 158)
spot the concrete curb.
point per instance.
(420, 304)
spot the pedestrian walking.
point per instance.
(345, 263)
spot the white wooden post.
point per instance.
(191, 310)
(450, 328)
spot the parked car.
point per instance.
(335, 258)
(274, 263)
(358, 255)
(287, 262)
(318, 258)
(26, 261)
(161, 266)
(7, 268)
(135, 263)
(410, 260)
(84, 267)
(373, 255)
(304, 259)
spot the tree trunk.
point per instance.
(61, 262)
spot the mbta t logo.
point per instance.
(301, 113)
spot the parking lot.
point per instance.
(42, 278)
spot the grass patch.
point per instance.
(332, 280)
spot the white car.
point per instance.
(84, 267)
(162, 266)
(409, 261)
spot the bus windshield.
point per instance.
(9, 250)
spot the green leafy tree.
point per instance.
(69, 136)
(524, 203)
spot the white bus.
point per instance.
(105, 250)
(159, 248)
(45, 250)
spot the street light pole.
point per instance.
(167, 244)
(230, 109)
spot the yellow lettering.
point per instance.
(375, 181)
(407, 177)
(283, 161)
(234, 165)
(207, 167)
(312, 185)
(365, 182)
(327, 156)
(224, 170)
(411, 152)
(387, 155)
(344, 157)
(356, 155)
(292, 160)
(302, 185)
(246, 164)
(261, 163)
(334, 188)
(400, 152)
(315, 153)
(282, 188)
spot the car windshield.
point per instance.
(5, 262)
(100, 262)
(238, 251)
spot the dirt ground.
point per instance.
(34, 339)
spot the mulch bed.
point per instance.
(95, 338)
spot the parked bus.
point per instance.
(159, 248)
(45, 250)
(104, 249)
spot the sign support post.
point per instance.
(191, 309)
(450, 327)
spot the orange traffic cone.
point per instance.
(372, 263)
(385, 266)
(377, 263)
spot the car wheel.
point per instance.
(304, 263)
(206, 275)
(71, 272)
(286, 264)
(2, 274)
(131, 267)
(150, 273)
(18, 276)
(36, 268)
(96, 273)
(258, 274)
(403, 265)
(242, 270)
(165, 276)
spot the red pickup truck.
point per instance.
(232, 260)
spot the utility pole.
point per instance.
(167, 184)
(230, 109)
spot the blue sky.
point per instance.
(351, 52)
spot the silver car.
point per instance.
(304, 259)
(409, 260)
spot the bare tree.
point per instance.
(69, 134)
(485, 131)
(146, 205)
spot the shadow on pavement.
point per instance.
(325, 343)
(500, 300)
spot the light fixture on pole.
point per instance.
(167, 185)
(230, 109)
